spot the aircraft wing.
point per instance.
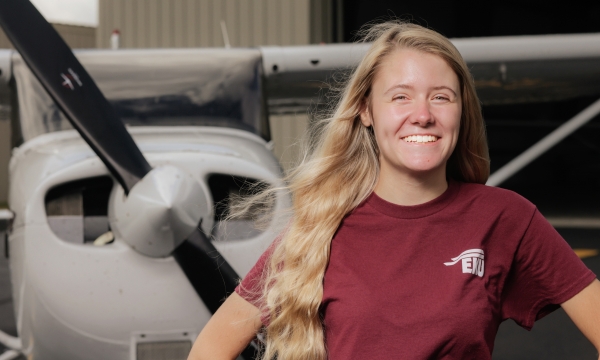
(508, 69)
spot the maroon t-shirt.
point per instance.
(434, 281)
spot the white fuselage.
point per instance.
(80, 301)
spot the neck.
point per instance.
(410, 189)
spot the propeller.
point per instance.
(76, 94)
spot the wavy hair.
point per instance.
(335, 176)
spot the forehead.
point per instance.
(415, 68)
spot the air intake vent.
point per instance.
(171, 345)
(227, 193)
(166, 350)
(77, 211)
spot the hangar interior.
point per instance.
(563, 182)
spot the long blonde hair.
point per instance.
(336, 176)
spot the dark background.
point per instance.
(478, 18)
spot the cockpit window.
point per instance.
(181, 87)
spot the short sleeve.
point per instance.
(545, 273)
(251, 287)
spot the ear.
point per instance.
(365, 115)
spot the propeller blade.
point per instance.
(209, 273)
(73, 90)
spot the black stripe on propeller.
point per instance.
(70, 86)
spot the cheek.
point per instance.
(454, 123)
(395, 114)
(456, 130)
(387, 120)
(459, 119)
(457, 127)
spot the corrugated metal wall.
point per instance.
(288, 132)
(197, 23)
(326, 21)
(76, 36)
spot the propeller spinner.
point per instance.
(160, 211)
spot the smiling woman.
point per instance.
(396, 248)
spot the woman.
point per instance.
(396, 248)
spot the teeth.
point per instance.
(420, 138)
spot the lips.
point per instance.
(420, 139)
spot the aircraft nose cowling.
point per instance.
(160, 212)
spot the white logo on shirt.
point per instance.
(472, 262)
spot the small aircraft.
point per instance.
(119, 241)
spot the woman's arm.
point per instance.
(584, 310)
(228, 332)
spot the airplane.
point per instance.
(118, 236)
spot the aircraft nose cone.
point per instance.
(160, 211)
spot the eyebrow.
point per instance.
(410, 87)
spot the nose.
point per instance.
(422, 115)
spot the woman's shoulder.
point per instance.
(495, 197)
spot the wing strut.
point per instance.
(549, 141)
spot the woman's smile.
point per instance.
(420, 139)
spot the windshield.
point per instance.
(167, 87)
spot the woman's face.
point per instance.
(415, 109)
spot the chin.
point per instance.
(426, 169)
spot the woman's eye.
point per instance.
(441, 97)
(400, 97)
